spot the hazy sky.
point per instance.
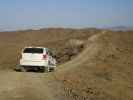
(19, 14)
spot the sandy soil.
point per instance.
(24, 86)
(102, 70)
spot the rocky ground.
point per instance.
(92, 65)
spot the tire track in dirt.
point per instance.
(24, 86)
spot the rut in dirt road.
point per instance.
(24, 86)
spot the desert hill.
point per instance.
(11, 43)
(93, 64)
(102, 71)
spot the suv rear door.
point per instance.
(32, 54)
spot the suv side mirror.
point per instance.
(54, 56)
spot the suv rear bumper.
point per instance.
(33, 63)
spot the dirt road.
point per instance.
(29, 85)
(24, 86)
(102, 71)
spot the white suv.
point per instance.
(37, 58)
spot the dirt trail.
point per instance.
(86, 54)
(34, 86)
(24, 86)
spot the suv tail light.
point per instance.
(45, 57)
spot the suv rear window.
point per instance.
(33, 50)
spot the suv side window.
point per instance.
(48, 52)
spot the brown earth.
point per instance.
(11, 43)
(103, 71)
(93, 65)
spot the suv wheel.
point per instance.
(23, 69)
(47, 69)
(42, 69)
(52, 69)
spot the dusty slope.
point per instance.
(91, 49)
(103, 71)
(11, 43)
(24, 86)
(32, 86)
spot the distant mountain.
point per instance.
(121, 28)
(1, 29)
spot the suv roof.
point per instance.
(34, 47)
